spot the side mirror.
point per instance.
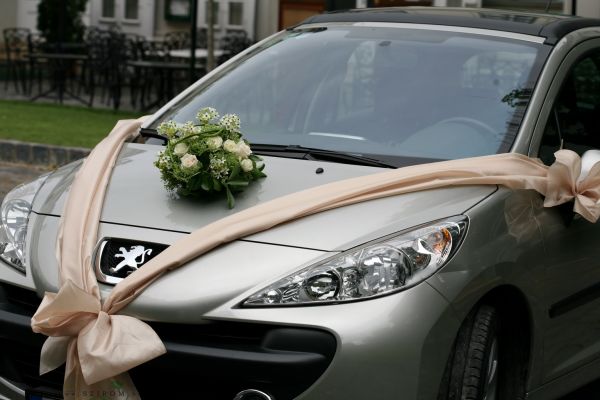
(588, 160)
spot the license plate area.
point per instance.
(41, 395)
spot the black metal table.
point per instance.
(60, 63)
(163, 70)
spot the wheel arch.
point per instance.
(516, 327)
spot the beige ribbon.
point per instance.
(99, 346)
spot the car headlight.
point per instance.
(14, 217)
(388, 265)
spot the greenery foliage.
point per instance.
(60, 20)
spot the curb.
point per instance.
(13, 151)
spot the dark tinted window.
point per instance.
(574, 119)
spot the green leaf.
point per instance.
(195, 183)
(258, 174)
(217, 185)
(230, 198)
(254, 157)
(237, 183)
(206, 183)
(235, 171)
(116, 384)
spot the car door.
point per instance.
(570, 119)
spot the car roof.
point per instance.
(550, 26)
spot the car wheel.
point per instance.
(472, 372)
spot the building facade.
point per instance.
(257, 18)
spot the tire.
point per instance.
(472, 371)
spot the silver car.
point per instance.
(350, 303)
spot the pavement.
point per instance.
(12, 175)
(22, 162)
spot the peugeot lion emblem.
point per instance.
(115, 258)
(130, 257)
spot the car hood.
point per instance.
(136, 197)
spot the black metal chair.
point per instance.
(106, 65)
(38, 68)
(177, 40)
(234, 42)
(15, 45)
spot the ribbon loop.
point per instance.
(564, 185)
(561, 186)
(65, 313)
(113, 344)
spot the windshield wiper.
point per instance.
(300, 152)
(308, 153)
(152, 133)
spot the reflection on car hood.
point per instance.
(137, 197)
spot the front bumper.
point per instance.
(215, 360)
(394, 347)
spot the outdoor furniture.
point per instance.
(59, 65)
(15, 45)
(106, 66)
(155, 49)
(38, 67)
(233, 43)
(163, 74)
(177, 40)
(200, 54)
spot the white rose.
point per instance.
(247, 165)
(180, 149)
(243, 150)
(230, 146)
(214, 142)
(189, 161)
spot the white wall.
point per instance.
(588, 8)
(27, 14)
(144, 25)
(8, 16)
(221, 25)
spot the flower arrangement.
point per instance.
(208, 157)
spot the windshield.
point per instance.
(389, 93)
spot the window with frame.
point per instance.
(573, 121)
(131, 9)
(236, 13)
(108, 8)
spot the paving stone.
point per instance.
(12, 175)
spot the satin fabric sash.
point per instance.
(100, 346)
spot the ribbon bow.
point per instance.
(99, 345)
(565, 184)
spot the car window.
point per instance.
(396, 92)
(573, 121)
